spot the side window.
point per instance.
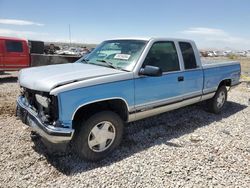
(163, 55)
(14, 46)
(188, 55)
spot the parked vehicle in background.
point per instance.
(204, 53)
(88, 102)
(248, 53)
(82, 51)
(210, 54)
(51, 48)
(241, 53)
(14, 54)
(69, 51)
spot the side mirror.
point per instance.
(150, 71)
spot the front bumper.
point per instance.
(52, 134)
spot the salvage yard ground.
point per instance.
(183, 148)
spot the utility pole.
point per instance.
(69, 35)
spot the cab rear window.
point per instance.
(14, 46)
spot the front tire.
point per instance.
(216, 104)
(99, 135)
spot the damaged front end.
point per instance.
(39, 110)
(45, 105)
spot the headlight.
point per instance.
(44, 101)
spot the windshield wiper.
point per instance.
(108, 63)
(85, 60)
(124, 70)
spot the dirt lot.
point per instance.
(188, 147)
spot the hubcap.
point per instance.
(221, 99)
(101, 136)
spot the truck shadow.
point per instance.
(142, 135)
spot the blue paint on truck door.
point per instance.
(192, 74)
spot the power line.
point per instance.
(69, 34)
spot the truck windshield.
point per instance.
(119, 54)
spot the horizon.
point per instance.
(73, 44)
(211, 24)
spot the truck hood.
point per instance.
(46, 78)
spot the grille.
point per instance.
(30, 97)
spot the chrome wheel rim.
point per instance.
(221, 99)
(101, 136)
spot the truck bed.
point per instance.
(217, 63)
(215, 71)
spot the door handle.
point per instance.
(180, 78)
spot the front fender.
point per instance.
(71, 101)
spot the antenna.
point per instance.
(69, 34)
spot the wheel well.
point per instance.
(116, 105)
(226, 82)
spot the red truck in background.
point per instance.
(14, 54)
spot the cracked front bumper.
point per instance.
(52, 134)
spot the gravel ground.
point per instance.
(188, 147)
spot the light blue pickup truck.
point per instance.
(87, 103)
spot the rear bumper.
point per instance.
(56, 135)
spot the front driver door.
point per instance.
(151, 92)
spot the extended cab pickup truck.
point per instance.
(88, 102)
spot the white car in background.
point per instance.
(241, 53)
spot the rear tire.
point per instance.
(98, 136)
(216, 104)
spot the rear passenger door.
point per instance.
(151, 92)
(192, 74)
(16, 55)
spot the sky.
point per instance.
(212, 24)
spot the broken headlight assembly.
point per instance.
(42, 100)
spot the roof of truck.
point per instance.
(132, 38)
(12, 38)
(151, 38)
